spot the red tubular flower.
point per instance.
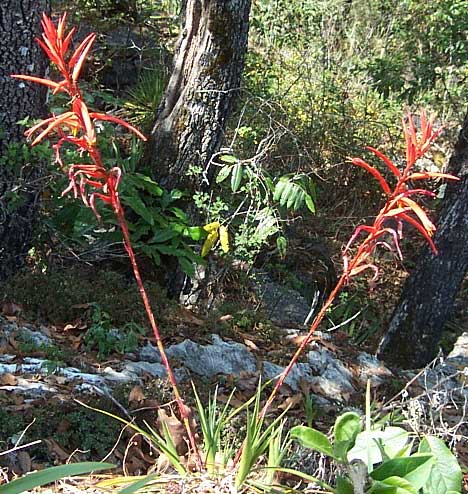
(399, 207)
(77, 126)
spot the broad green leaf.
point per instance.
(139, 207)
(394, 439)
(228, 158)
(176, 194)
(418, 477)
(269, 184)
(163, 236)
(299, 200)
(236, 176)
(446, 474)
(223, 173)
(148, 184)
(344, 486)
(293, 195)
(166, 249)
(279, 187)
(312, 439)
(399, 467)
(178, 213)
(52, 474)
(282, 245)
(186, 266)
(287, 191)
(345, 430)
(310, 203)
(393, 485)
(152, 253)
(195, 232)
(347, 426)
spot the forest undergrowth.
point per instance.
(321, 82)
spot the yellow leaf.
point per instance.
(209, 242)
(211, 227)
(224, 238)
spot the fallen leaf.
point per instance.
(226, 317)
(187, 316)
(176, 430)
(136, 394)
(11, 309)
(291, 401)
(56, 451)
(234, 402)
(250, 344)
(8, 379)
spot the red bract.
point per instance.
(400, 207)
(93, 180)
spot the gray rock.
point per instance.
(336, 390)
(8, 368)
(92, 389)
(31, 389)
(121, 377)
(36, 337)
(370, 367)
(283, 305)
(140, 368)
(6, 329)
(459, 355)
(76, 375)
(300, 372)
(219, 358)
(324, 363)
(150, 353)
(334, 380)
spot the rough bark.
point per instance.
(429, 293)
(206, 75)
(19, 54)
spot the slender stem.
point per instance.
(119, 212)
(316, 322)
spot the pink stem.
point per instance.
(119, 212)
(313, 327)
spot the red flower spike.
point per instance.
(96, 182)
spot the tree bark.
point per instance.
(429, 293)
(206, 75)
(19, 54)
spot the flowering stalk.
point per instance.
(91, 181)
(400, 207)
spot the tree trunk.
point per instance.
(206, 75)
(429, 293)
(19, 191)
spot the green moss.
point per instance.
(71, 426)
(61, 296)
